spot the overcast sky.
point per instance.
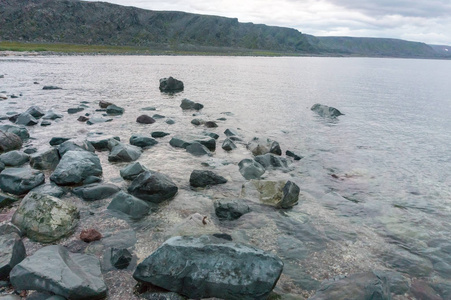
(426, 21)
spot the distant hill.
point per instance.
(100, 23)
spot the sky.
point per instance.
(426, 21)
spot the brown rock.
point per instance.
(211, 124)
(145, 119)
(9, 141)
(90, 235)
(82, 119)
(104, 104)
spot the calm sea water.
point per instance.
(375, 183)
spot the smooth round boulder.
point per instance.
(18, 181)
(145, 119)
(203, 178)
(153, 187)
(76, 166)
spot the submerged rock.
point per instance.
(184, 141)
(76, 166)
(9, 141)
(271, 161)
(153, 187)
(259, 146)
(55, 141)
(201, 178)
(12, 252)
(129, 205)
(104, 104)
(51, 87)
(132, 170)
(206, 266)
(55, 270)
(170, 85)
(188, 104)
(145, 119)
(18, 181)
(250, 169)
(26, 119)
(159, 134)
(281, 194)
(326, 111)
(230, 209)
(95, 191)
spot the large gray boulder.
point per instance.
(76, 166)
(101, 143)
(198, 149)
(326, 111)
(250, 169)
(96, 191)
(171, 85)
(9, 141)
(45, 159)
(19, 181)
(129, 205)
(14, 158)
(45, 218)
(20, 131)
(124, 153)
(35, 111)
(26, 119)
(55, 270)
(260, 146)
(12, 252)
(280, 194)
(50, 189)
(206, 266)
(153, 187)
(75, 145)
(203, 178)
(184, 141)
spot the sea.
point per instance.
(375, 182)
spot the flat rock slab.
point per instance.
(206, 266)
(56, 270)
(76, 166)
(18, 181)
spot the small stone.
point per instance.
(148, 108)
(114, 110)
(90, 235)
(51, 87)
(197, 122)
(228, 145)
(46, 123)
(82, 119)
(210, 124)
(293, 155)
(74, 110)
(145, 119)
(159, 134)
(55, 141)
(170, 122)
(120, 258)
(142, 141)
(104, 104)
(157, 116)
(188, 104)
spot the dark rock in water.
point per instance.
(197, 149)
(9, 141)
(90, 235)
(76, 166)
(45, 218)
(20, 131)
(293, 155)
(124, 153)
(228, 145)
(197, 122)
(50, 189)
(51, 87)
(142, 141)
(45, 159)
(230, 209)
(13, 117)
(75, 110)
(35, 111)
(50, 115)
(231, 132)
(263, 146)
(6, 200)
(104, 104)
(75, 145)
(159, 134)
(149, 108)
(94, 191)
(26, 119)
(82, 119)
(210, 124)
(145, 119)
(326, 111)
(120, 258)
(30, 150)
(184, 141)
(170, 122)
(46, 123)
(280, 194)
(132, 171)
(170, 85)
(129, 205)
(56, 270)
(290, 195)
(102, 143)
(205, 266)
(422, 290)
(98, 120)
(157, 116)
(153, 187)
(362, 286)
(18, 181)
(55, 141)
(250, 169)
(114, 110)
(14, 158)
(271, 161)
(201, 178)
(188, 104)
(91, 179)
(211, 134)
(12, 252)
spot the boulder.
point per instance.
(14, 158)
(326, 111)
(250, 169)
(50, 189)
(201, 178)
(206, 266)
(45, 159)
(95, 191)
(75, 145)
(142, 141)
(44, 218)
(153, 187)
(114, 110)
(20, 131)
(124, 153)
(76, 166)
(55, 141)
(145, 119)
(12, 252)
(35, 111)
(271, 161)
(198, 149)
(129, 205)
(19, 181)
(280, 194)
(260, 146)
(90, 235)
(230, 209)
(55, 270)
(184, 141)
(26, 119)
(188, 104)
(159, 134)
(171, 85)
(9, 141)
(101, 143)
(228, 145)
(132, 171)
(120, 258)
(104, 104)
(6, 200)
(51, 115)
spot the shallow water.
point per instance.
(375, 183)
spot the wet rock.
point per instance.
(95, 191)
(9, 141)
(102, 143)
(14, 158)
(250, 169)
(132, 170)
(158, 116)
(149, 108)
(51, 115)
(409, 263)
(56, 270)
(45, 218)
(12, 252)
(362, 286)
(211, 134)
(124, 153)
(293, 155)
(98, 120)
(170, 122)
(2, 166)
(92, 179)
(26, 119)
(231, 132)
(422, 290)
(261, 146)
(231, 209)
(51, 87)
(20, 131)
(75, 110)
(280, 194)
(129, 205)
(6, 200)
(18, 181)
(203, 178)
(188, 104)
(153, 187)
(325, 111)
(45, 159)
(197, 149)
(145, 119)
(211, 124)
(142, 141)
(75, 145)
(271, 161)
(90, 235)
(159, 134)
(30, 150)
(55, 141)
(50, 189)
(114, 110)
(104, 104)
(184, 141)
(35, 111)
(171, 85)
(228, 145)
(197, 122)
(76, 166)
(203, 267)
(82, 119)
(120, 258)
(46, 123)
